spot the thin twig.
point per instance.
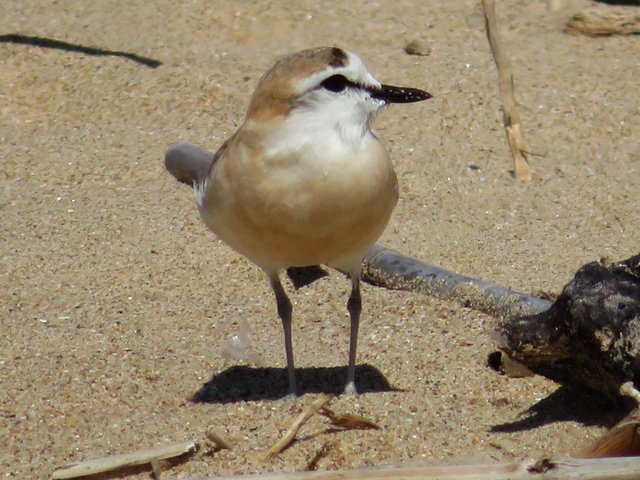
(306, 414)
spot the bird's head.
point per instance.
(329, 86)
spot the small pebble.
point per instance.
(418, 47)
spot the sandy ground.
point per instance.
(117, 302)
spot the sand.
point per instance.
(117, 303)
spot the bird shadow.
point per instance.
(568, 404)
(43, 42)
(302, 276)
(243, 383)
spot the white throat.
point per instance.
(325, 122)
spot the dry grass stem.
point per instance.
(505, 80)
(348, 420)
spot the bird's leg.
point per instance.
(284, 312)
(354, 305)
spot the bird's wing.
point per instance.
(189, 163)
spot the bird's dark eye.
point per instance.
(335, 83)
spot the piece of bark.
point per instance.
(590, 337)
(604, 21)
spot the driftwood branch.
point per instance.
(584, 469)
(116, 462)
(390, 269)
(505, 81)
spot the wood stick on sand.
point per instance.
(505, 80)
(545, 469)
(306, 414)
(115, 462)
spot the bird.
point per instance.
(304, 181)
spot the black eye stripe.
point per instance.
(388, 93)
(336, 83)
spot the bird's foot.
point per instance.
(350, 389)
(290, 397)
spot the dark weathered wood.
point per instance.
(590, 337)
(390, 269)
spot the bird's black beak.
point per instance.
(391, 94)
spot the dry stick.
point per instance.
(297, 424)
(505, 80)
(107, 464)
